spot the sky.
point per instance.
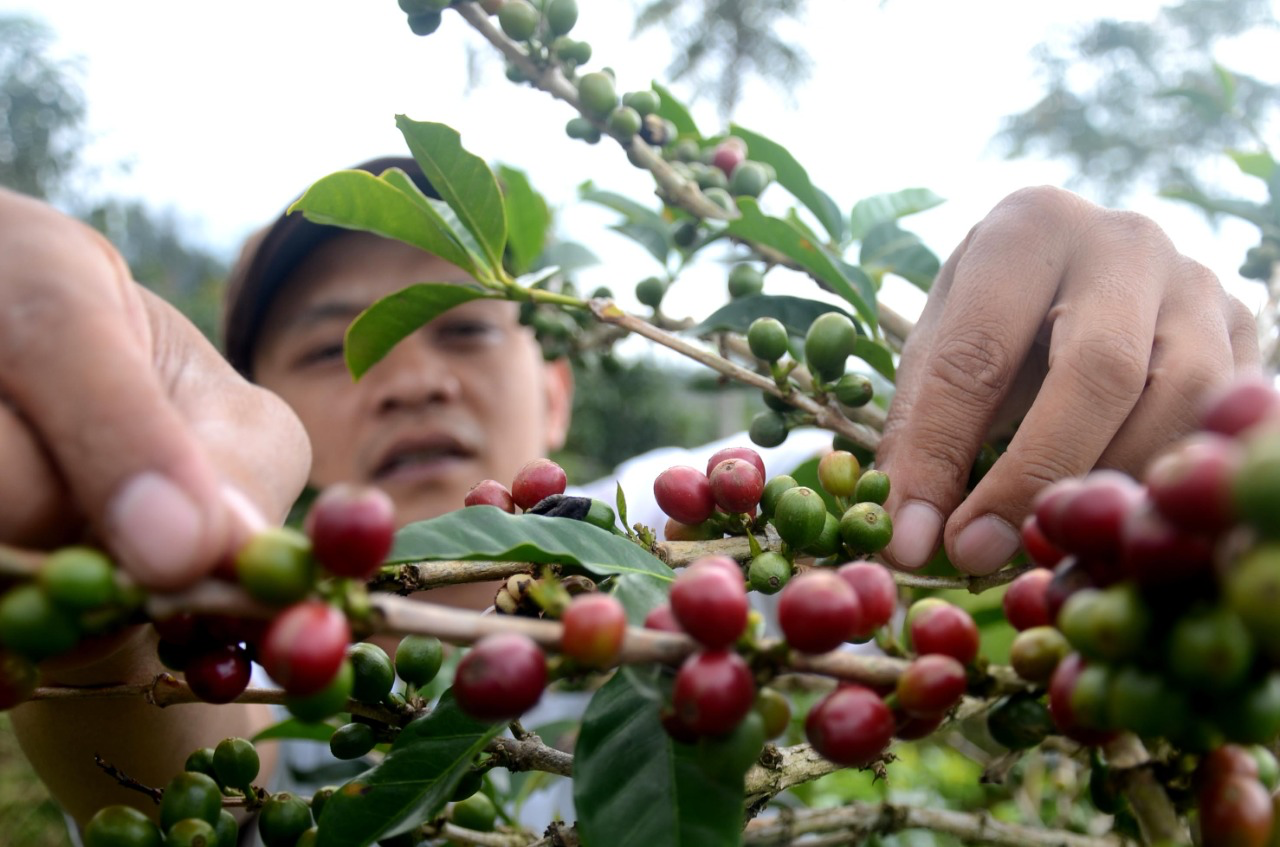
(223, 113)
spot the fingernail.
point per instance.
(985, 544)
(915, 534)
(157, 528)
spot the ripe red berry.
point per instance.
(1026, 601)
(1048, 507)
(736, 453)
(501, 677)
(1091, 519)
(1224, 761)
(931, 685)
(728, 155)
(218, 674)
(730, 566)
(877, 595)
(736, 485)
(1039, 549)
(351, 529)
(1191, 484)
(673, 530)
(713, 692)
(490, 492)
(684, 493)
(818, 611)
(537, 481)
(662, 619)
(1156, 551)
(1236, 811)
(710, 604)
(943, 628)
(1061, 687)
(1069, 577)
(913, 728)
(594, 626)
(851, 726)
(1240, 406)
(839, 472)
(304, 647)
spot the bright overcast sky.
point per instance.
(223, 112)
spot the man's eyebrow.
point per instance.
(323, 312)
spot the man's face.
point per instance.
(468, 397)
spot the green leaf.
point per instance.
(795, 313)
(639, 595)
(486, 533)
(876, 355)
(385, 206)
(388, 321)
(294, 728)
(1259, 164)
(635, 787)
(528, 218)
(887, 248)
(655, 239)
(568, 256)
(462, 180)
(889, 207)
(793, 177)
(412, 784)
(624, 206)
(673, 110)
(753, 225)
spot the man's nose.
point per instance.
(412, 375)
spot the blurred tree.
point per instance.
(718, 43)
(1134, 103)
(41, 110)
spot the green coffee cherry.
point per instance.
(769, 572)
(745, 280)
(201, 761)
(78, 578)
(623, 123)
(866, 528)
(373, 672)
(685, 233)
(476, 812)
(518, 19)
(709, 177)
(471, 782)
(276, 566)
(191, 832)
(319, 798)
(776, 403)
(828, 344)
(582, 129)
(828, 542)
(190, 795)
(561, 15)
(227, 832)
(775, 710)
(284, 817)
(121, 826)
(720, 197)
(352, 740)
(308, 837)
(872, 487)
(1019, 722)
(767, 338)
(596, 93)
(650, 291)
(235, 763)
(418, 659)
(326, 702)
(774, 489)
(32, 625)
(425, 23)
(799, 516)
(749, 179)
(768, 429)
(733, 753)
(601, 515)
(644, 102)
(853, 390)
(838, 473)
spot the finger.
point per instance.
(1004, 284)
(1100, 352)
(1243, 326)
(38, 511)
(73, 362)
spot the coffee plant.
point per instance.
(1144, 666)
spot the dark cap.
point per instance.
(269, 259)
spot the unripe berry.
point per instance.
(736, 485)
(596, 93)
(866, 527)
(425, 23)
(838, 472)
(373, 672)
(351, 528)
(623, 123)
(500, 678)
(78, 578)
(851, 726)
(305, 646)
(828, 344)
(684, 493)
(30, 624)
(284, 816)
(799, 516)
(872, 487)
(710, 604)
(769, 572)
(644, 102)
(121, 826)
(582, 129)
(773, 491)
(713, 692)
(749, 179)
(818, 611)
(1035, 652)
(235, 763)
(418, 659)
(768, 429)
(18, 679)
(190, 795)
(351, 741)
(561, 15)
(594, 626)
(650, 291)
(767, 338)
(276, 567)
(775, 710)
(518, 19)
(476, 812)
(853, 390)
(325, 703)
(537, 481)
(190, 832)
(744, 281)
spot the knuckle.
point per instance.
(1135, 228)
(975, 365)
(1111, 366)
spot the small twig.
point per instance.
(423, 576)
(530, 754)
(461, 835)
(126, 781)
(972, 584)
(1157, 818)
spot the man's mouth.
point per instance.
(429, 455)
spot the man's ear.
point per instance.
(559, 391)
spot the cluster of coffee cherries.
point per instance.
(538, 488)
(828, 343)
(77, 592)
(732, 496)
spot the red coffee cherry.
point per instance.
(1091, 519)
(728, 155)
(877, 595)
(501, 677)
(1068, 578)
(931, 685)
(710, 604)
(913, 727)
(736, 453)
(218, 674)
(490, 492)
(594, 626)
(1026, 602)
(851, 726)
(662, 619)
(1240, 406)
(304, 647)
(684, 493)
(818, 611)
(1191, 484)
(673, 530)
(939, 627)
(736, 485)
(713, 692)
(537, 481)
(1156, 551)
(1061, 687)
(1039, 549)
(1236, 811)
(1222, 762)
(351, 529)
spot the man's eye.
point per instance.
(468, 331)
(323, 354)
